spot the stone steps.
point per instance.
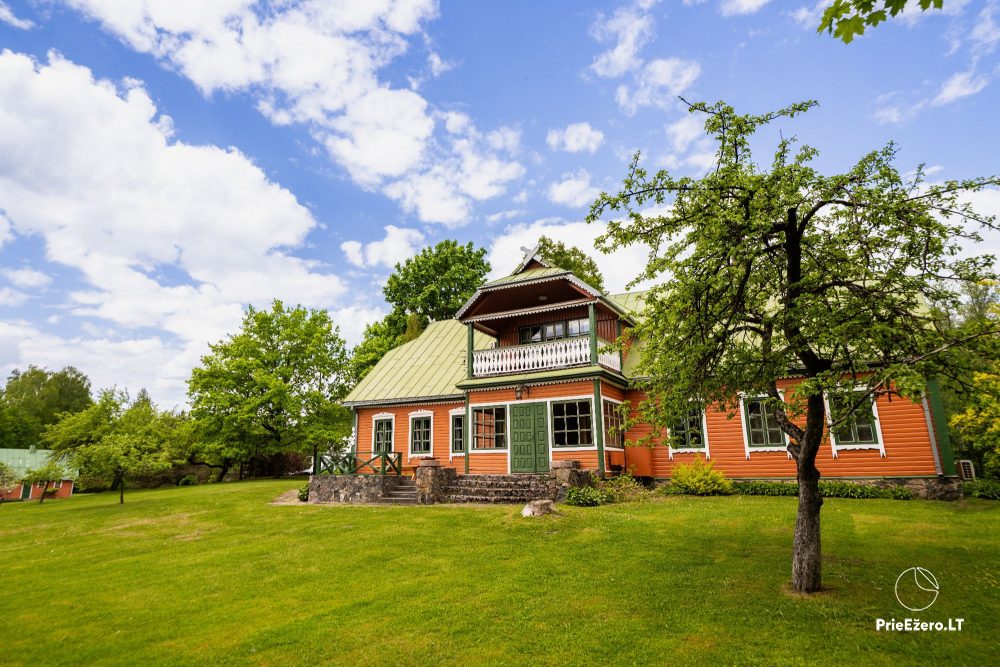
(493, 499)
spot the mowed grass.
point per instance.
(217, 574)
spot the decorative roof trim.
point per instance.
(532, 309)
(531, 255)
(399, 402)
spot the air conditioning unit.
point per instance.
(967, 470)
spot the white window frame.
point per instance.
(746, 427)
(383, 416)
(604, 427)
(835, 448)
(704, 449)
(457, 412)
(419, 414)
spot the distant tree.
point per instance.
(35, 398)
(764, 272)
(431, 286)
(572, 259)
(438, 281)
(979, 424)
(8, 480)
(114, 439)
(271, 388)
(50, 473)
(845, 19)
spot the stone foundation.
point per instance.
(348, 488)
(437, 484)
(928, 488)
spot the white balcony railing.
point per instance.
(539, 356)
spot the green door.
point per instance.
(529, 451)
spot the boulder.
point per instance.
(538, 508)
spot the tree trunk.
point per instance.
(224, 470)
(121, 492)
(44, 489)
(806, 554)
(807, 558)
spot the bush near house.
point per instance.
(698, 478)
(988, 489)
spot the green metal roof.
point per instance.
(524, 276)
(631, 302)
(23, 460)
(426, 368)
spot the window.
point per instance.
(532, 334)
(537, 333)
(420, 435)
(489, 428)
(859, 428)
(763, 425)
(687, 433)
(571, 424)
(458, 433)
(383, 436)
(580, 327)
(614, 425)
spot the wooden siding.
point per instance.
(607, 327)
(908, 447)
(440, 432)
(587, 458)
(532, 392)
(488, 463)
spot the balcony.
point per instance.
(541, 356)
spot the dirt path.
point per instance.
(288, 498)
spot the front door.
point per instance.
(529, 446)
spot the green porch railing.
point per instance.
(346, 463)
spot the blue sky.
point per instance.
(164, 163)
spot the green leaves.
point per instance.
(760, 274)
(273, 386)
(438, 281)
(572, 259)
(846, 19)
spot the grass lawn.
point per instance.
(216, 574)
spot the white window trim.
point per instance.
(604, 426)
(746, 428)
(456, 412)
(834, 447)
(704, 449)
(419, 414)
(383, 416)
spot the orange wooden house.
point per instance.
(522, 378)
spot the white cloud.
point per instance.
(318, 63)
(438, 65)
(684, 132)
(810, 16)
(658, 84)
(575, 189)
(503, 215)
(960, 84)
(7, 16)
(27, 277)
(985, 34)
(352, 321)
(11, 297)
(740, 7)
(82, 160)
(575, 138)
(619, 267)
(627, 30)
(398, 244)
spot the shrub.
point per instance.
(304, 493)
(848, 490)
(187, 480)
(898, 493)
(624, 488)
(988, 489)
(699, 479)
(827, 489)
(585, 496)
(759, 488)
